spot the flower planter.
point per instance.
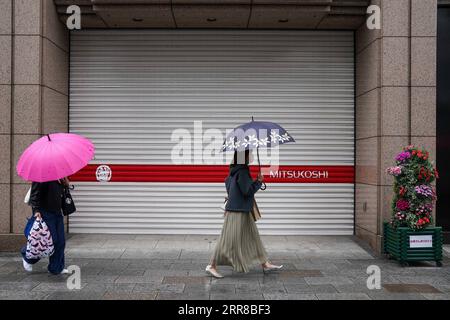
(406, 245)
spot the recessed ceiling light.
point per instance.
(211, 19)
(283, 20)
(138, 19)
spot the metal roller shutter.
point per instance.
(130, 89)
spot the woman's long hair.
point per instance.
(239, 156)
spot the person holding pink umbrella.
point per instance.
(48, 162)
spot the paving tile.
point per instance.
(301, 273)
(443, 287)
(113, 295)
(140, 263)
(150, 254)
(342, 296)
(157, 265)
(165, 273)
(116, 264)
(273, 288)
(203, 256)
(129, 244)
(242, 296)
(122, 272)
(433, 280)
(110, 287)
(94, 262)
(197, 288)
(186, 245)
(436, 296)
(57, 286)
(13, 278)
(92, 271)
(108, 253)
(75, 295)
(98, 278)
(273, 281)
(413, 288)
(355, 288)
(328, 280)
(44, 277)
(289, 296)
(127, 272)
(188, 266)
(248, 288)
(218, 288)
(158, 287)
(182, 296)
(305, 288)
(138, 279)
(171, 267)
(383, 295)
(85, 243)
(18, 286)
(185, 280)
(22, 295)
(197, 273)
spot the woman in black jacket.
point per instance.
(239, 244)
(46, 202)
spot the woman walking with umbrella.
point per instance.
(239, 244)
(47, 162)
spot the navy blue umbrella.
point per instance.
(255, 135)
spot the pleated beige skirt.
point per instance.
(239, 244)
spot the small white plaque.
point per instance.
(425, 241)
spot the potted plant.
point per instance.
(410, 235)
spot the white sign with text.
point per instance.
(425, 241)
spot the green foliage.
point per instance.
(413, 200)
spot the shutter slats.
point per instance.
(129, 89)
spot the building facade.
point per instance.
(351, 96)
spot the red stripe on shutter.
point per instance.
(216, 173)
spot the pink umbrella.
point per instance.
(54, 157)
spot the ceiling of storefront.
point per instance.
(280, 14)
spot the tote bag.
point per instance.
(39, 240)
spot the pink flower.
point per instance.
(402, 205)
(394, 171)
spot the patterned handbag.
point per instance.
(39, 241)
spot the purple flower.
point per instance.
(403, 156)
(424, 190)
(394, 171)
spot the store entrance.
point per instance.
(442, 120)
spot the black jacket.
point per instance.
(46, 196)
(241, 189)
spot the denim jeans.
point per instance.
(55, 223)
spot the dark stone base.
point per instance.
(11, 242)
(446, 237)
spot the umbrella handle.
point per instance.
(263, 186)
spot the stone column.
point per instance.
(395, 103)
(34, 97)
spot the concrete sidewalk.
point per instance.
(172, 267)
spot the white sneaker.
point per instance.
(64, 271)
(28, 267)
(213, 272)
